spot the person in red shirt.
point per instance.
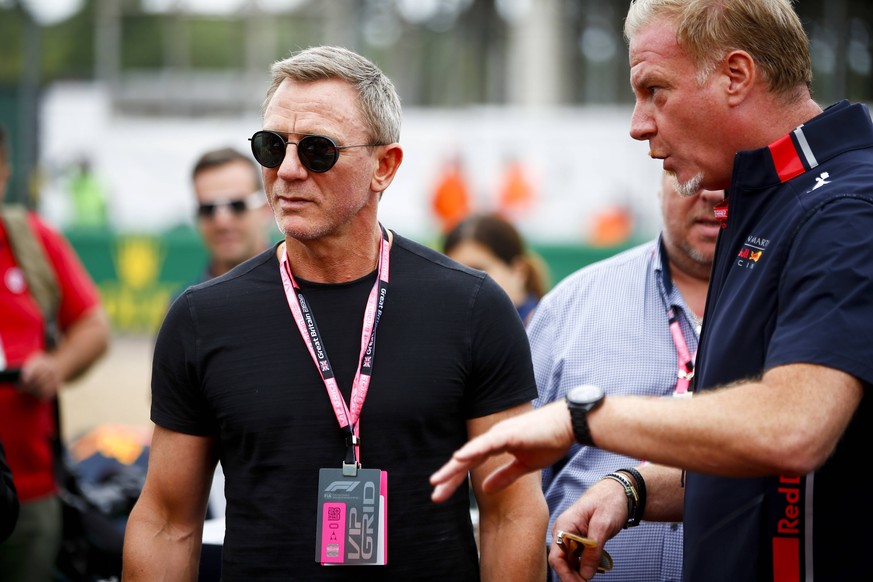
(27, 404)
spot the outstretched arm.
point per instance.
(535, 440)
(788, 422)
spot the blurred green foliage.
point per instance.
(214, 44)
(66, 50)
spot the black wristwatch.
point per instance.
(581, 400)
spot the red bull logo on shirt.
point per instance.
(751, 252)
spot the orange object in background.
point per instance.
(612, 227)
(123, 443)
(451, 198)
(516, 192)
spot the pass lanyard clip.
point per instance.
(350, 463)
(347, 416)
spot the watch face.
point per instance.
(585, 393)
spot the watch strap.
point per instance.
(579, 419)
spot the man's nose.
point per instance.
(642, 124)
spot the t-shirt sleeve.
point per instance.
(825, 311)
(502, 369)
(178, 402)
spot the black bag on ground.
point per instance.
(97, 495)
(92, 539)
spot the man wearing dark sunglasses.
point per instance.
(232, 213)
(327, 431)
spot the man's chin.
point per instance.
(691, 187)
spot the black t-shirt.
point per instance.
(229, 361)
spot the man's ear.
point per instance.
(388, 162)
(741, 74)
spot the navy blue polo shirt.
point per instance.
(792, 282)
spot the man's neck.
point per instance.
(326, 261)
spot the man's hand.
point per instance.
(600, 513)
(536, 439)
(41, 376)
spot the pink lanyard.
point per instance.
(686, 361)
(305, 319)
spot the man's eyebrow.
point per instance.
(645, 77)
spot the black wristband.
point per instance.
(641, 493)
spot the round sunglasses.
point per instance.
(317, 153)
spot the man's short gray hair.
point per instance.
(378, 98)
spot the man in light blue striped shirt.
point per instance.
(609, 324)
